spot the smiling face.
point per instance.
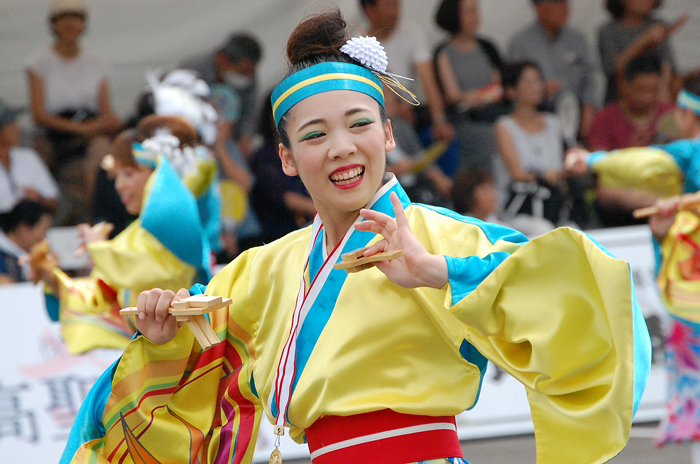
(338, 146)
(130, 182)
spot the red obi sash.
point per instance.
(382, 437)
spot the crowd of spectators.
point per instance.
(499, 120)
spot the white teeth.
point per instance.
(347, 177)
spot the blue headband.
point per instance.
(324, 77)
(689, 101)
(142, 156)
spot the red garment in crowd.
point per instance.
(612, 130)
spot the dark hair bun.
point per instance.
(316, 37)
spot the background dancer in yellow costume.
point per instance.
(373, 366)
(634, 178)
(163, 174)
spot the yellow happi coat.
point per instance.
(558, 313)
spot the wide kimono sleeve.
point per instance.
(652, 169)
(204, 402)
(88, 308)
(559, 314)
(135, 261)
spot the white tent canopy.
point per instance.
(135, 36)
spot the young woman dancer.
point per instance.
(162, 173)
(395, 351)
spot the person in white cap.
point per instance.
(70, 102)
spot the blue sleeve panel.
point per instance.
(642, 350)
(657, 255)
(52, 306)
(686, 154)
(465, 274)
(197, 289)
(88, 423)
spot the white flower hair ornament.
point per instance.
(181, 93)
(163, 142)
(370, 53)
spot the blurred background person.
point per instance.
(234, 65)
(475, 194)
(408, 51)
(235, 174)
(169, 244)
(164, 247)
(70, 103)
(562, 53)
(423, 183)
(21, 228)
(280, 202)
(531, 147)
(468, 69)
(23, 174)
(634, 178)
(633, 120)
(634, 31)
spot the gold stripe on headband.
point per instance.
(321, 78)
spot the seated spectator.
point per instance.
(23, 174)
(475, 194)
(633, 120)
(70, 102)
(532, 149)
(20, 229)
(233, 65)
(634, 31)
(280, 202)
(468, 72)
(562, 54)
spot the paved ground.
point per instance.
(521, 450)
